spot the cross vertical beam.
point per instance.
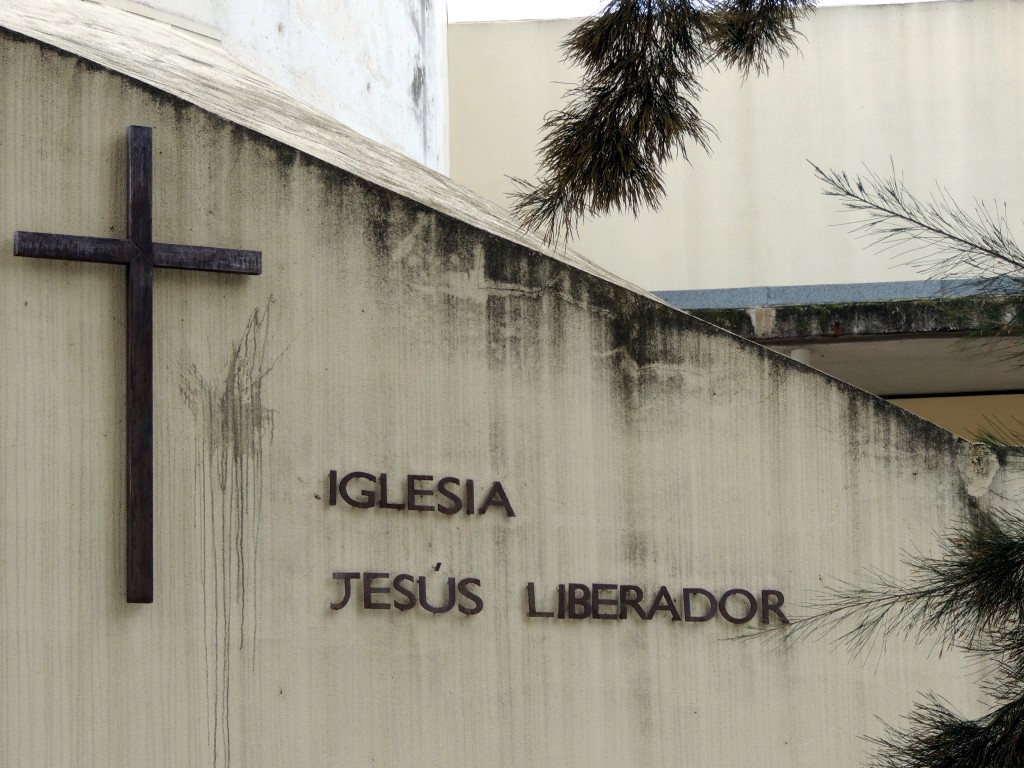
(140, 255)
(139, 417)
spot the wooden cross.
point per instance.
(140, 254)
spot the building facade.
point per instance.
(423, 492)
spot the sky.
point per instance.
(499, 10)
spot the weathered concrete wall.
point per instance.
(380, 68)
(932, 88)
(636, 444)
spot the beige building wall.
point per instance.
(974, 416)
(932, 89)
(402, 334)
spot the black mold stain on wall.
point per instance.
(233, 426)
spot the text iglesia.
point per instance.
(416, 493)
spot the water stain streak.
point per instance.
(233, 427)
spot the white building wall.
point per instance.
(380, 68)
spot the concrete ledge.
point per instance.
(986, 314)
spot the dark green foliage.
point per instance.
(748, 34)
(938, 738)
(975, 590)
(636, 105)
(971, 598)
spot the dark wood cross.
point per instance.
(140, 254)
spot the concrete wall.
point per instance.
(380, 68)
(636, 444)
(933, 89)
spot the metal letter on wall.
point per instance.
(140, 255)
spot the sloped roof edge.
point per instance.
(198, 71)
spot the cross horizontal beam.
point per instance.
(106, 250)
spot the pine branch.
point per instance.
(1003, 434)
(749, 34)
(937, 737)
(635, 108)
(944, 240)
(941, 237)
(972, 597)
